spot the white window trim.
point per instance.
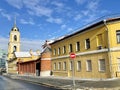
(71, 65)
(63, 49)
(118, 59)
(86, 44)
(64, 66)
(77, 46)
(58, 51)
(54, 52)
(78, 68)
(87, 68)
(100, 66)
(54, 66)
(59, 65)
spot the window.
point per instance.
(59, 65)
(58, 51)
(15, 38)
(87, 43)
(78, 46)
(118, 64)
(64, 49)
(64, 65)
(99, 40)
(89, 65)
(54, 66)
(14, 49)
(70, 65)
(54, 52)
(78, 65)
(118, 36)
(70, 48)
(102, 65)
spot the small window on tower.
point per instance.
(14, 49)
(15, 38)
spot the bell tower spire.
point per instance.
(14, 41)
(15, 21)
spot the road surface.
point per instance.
(10, 84)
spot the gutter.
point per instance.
(109, 51)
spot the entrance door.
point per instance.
(38, 69)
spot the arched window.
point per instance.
(15, 37)
(14, 49)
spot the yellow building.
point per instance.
(13, 46)
(97, 49)
(14, 53)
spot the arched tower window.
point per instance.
(14, 49)
(15, 38)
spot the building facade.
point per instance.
(30, 63)
(13, 46)
(3, 59)
(97, 49)
(36, 66)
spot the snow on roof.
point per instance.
(35, 53)
(22, 54)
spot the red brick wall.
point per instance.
(45, 65)
(27, 67)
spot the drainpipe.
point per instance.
(109, 51)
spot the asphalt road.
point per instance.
(10, 84)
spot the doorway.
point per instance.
(38, 69)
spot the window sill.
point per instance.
(78, 70)
(102, 71)
(89, 71)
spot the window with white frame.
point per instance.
(102, 66)
(70, 65)
(78, 65)
(54, 52)
(59, 51)
(59, 65)
(77, 46)
(70, 48)
(64, 49)
(64, 65)
(118, 36)
(54, 66)
(99, 40)
(89, 65)
(87, 43)
(118, 64)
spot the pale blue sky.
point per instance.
(40, 20)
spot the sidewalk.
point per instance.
(67, 83)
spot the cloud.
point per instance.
(36, 8)
(5, 14)
(77, 17)
(29, 21)
(54, 20)
(80, 1)
(63, 26)
(27, 44)
(15, 3)
(69, 29)
(33, 7)
(58, 4)
(4, 43)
